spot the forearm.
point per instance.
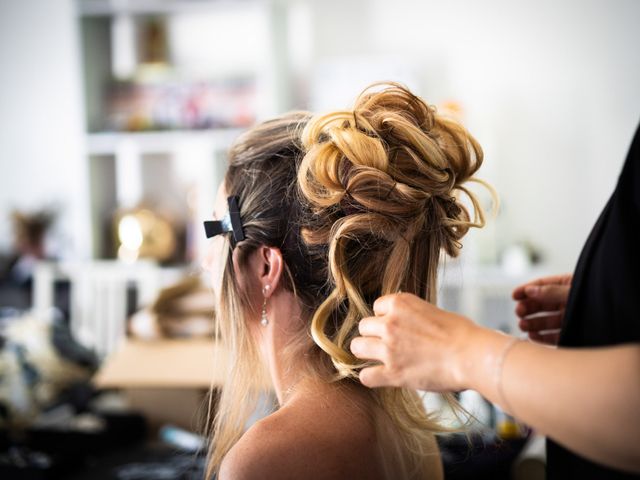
(586, 399)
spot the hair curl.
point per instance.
(383, 183)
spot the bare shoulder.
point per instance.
(303, 441)
(254, 455)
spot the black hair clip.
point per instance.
(230, 223)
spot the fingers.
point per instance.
(376, 377)
(519, 293)
(540, 323)
(383, 304)
(542, 299)
(548, 294)
(527, 307)
(564, 280)
(549, 338)
(394, 302)
(369, 348)
(372, 327)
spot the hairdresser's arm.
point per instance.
(586, 399)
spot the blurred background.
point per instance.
(115, 119)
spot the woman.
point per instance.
(586, 399)
(319, 216)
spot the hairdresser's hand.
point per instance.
(541, 305)
(419, 345)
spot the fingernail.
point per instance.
(531, 290)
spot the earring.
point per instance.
(264, 320)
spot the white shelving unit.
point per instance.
(127, 167)
(174, 170)
(198, 157)
(112, 7)
(109, 143)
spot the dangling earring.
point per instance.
(264, 320)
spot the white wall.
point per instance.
(550, 89)
(41, 130)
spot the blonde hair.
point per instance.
(361, 203)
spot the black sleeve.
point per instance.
(604, 303)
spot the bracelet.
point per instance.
(501, 396)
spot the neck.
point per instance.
(285, 365)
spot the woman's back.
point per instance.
(326, 432)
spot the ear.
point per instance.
(269, 268)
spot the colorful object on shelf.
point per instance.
(176, 105)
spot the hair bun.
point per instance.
(382, 186)
(392, 155)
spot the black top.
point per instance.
(604, 302)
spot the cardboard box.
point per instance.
(166, 380)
